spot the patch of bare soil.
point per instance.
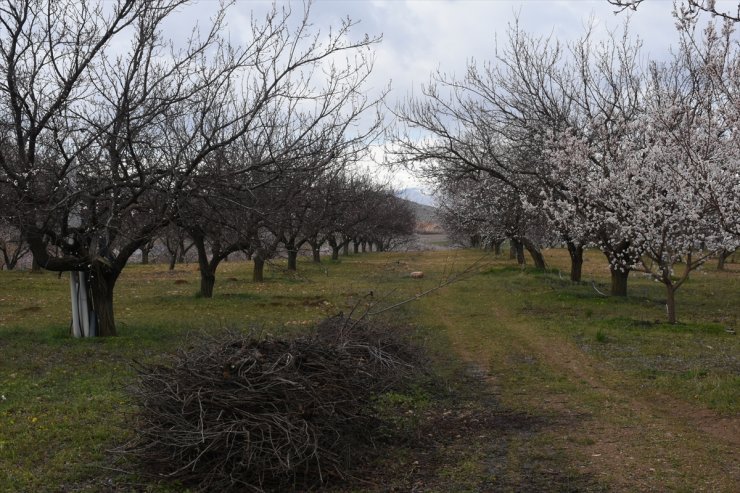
(291, 301)
(152, 274)
(30, 309)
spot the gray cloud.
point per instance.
(420, 36)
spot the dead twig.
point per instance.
(244, 412)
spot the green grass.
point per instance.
(631, 333)
(559, 353)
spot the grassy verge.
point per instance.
(543, 384)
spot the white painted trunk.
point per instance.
(81, 315)
(74, 287)
(84, 306)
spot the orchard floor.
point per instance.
(542, 385)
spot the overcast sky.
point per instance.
(420, 36)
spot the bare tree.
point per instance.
(12, 246)
(175, 241)
(290, 221)
(686, 9)
(247, 196)
(352, 211)
(390, 222)
(69, 106)
(98, 140)
(218, 225)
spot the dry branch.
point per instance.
(241, 412)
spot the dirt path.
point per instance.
(630, 441)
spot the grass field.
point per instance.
(543, 385)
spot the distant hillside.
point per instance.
(426, 218)
(424, 213)
(417, 195)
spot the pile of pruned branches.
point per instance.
(244, 412)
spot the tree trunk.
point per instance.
(539, 259)
(364, 247)
(335, 247)
(576, 261)
(292, 258)
(35, 267)
(670, 302)
(173, 260)
(619, 257)
(92, 288)
(207, 269)
(497, 247)
(619, 280)
(181, 252)
(100, 286)
(144, 256)
(316, 251)
(535, 253)
(207, 282)
(11, 262)
(356, 246)
(379, 246)
(518, 249)
(723, 256)
(258, 273)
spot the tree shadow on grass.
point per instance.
(464, 439)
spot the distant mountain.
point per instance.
(417, 195)
(427, 221)
(423, 213)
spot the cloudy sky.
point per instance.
(420, 36)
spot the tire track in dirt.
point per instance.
(635, 442)
(651, 450)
